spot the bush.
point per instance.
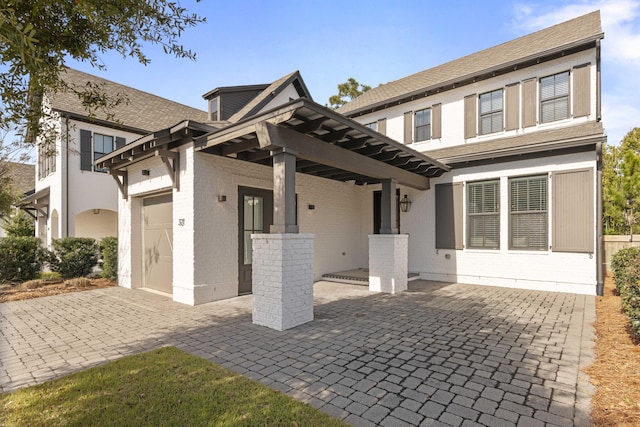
(73, 256)
(109, 249)
(626, 272)
(19, 224)
(21, 258)
(50, 276)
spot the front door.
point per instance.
(255, 216)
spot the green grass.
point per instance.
(161, 388)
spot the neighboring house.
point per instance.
(498, 154)
(72, 197)
(22, 181)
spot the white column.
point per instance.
(282, 280)
(388, 258)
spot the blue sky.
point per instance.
(375, 41)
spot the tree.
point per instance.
(7, 195)
(621, 185)
(19, 225)
(346, 92)
(37, 35)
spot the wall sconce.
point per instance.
(146, 172)
(222, 198)
(405, 204)
(312, 207)
(96, 211)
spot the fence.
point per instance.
(613, 244)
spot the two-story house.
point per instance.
(482, 170)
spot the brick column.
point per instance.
(282, 280)
(388, 257)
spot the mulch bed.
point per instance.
(13, 292)
(616, 371)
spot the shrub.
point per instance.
(73, 256)
(50, 276)
(109, 249)
(21, 258)
(626, 270)
(19, 224)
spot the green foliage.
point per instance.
(626, 270)
(19, 224)
(50, 276)
(73, 256)
(21, 258)
(36, 37)
(346, 92)
(7, 196)
(621, 185)
(109, 250)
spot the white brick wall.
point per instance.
(282, 280)
(388, 262)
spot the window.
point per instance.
(483, 214)
(46, 158)
(373, 125)
(554, 97)
(528, 213)
(423, 125)
(213, 109)
(102, 144)
(491, 112)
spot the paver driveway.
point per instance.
(438, 354)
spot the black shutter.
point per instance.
(120, 142)
(449, 216)
(86, 161)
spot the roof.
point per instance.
(23, 176)
(585, 134)
(524, 50)
(260, 101)
(142, 114)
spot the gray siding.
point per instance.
(573, 216)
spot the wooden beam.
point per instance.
(122, 185)
(272, 137)
(239, 147)
(170, 160)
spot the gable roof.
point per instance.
(22, 175)
(525, 50)
(142, 114)
(260, 101)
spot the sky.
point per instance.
(374, 41)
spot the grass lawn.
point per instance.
(163, 387)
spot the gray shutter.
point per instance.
(86, 157)
(529, 102)
(382, 126)
(581, 91)
(408, 127)
(436, 121)
(573, 218)
(470, 116)
(449, 216)
(513, 107)
(120, 142)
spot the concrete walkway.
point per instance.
(438, 354)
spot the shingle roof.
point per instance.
(583, 134)
(23, 178)
(567, 34)
(144, 112)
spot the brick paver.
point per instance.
(438, 354)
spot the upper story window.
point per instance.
(46, 159)
(483, 214)
(102, 144)
(213, 109)
(423, 125)
(373, 125)
(554, 97)
(528, 213)
(491, 111)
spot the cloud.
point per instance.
(620, 52)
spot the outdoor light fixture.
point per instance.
(96, 211)
(145, 172)
(222, 198)
(312, 207)
(405, 204)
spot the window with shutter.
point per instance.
(491, 105)
(85, 150)
(470, 116)
(528, 222)
(423, 125)
(513, 107)
(483, 214)
(581, 91)
(554, 97)
(436, 121)
(408, 127)
(449, 216)
(102, 144)
(529, 102)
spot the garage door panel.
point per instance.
(158, 243)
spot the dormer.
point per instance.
(224, 102)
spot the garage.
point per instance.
(158, 243)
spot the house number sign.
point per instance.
(181, 222)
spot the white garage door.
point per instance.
(158, 243)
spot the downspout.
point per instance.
(598, 83)
(66, 180)
(599, 228)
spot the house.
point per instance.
(483, 170)
(74, 198)
(21, 176)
